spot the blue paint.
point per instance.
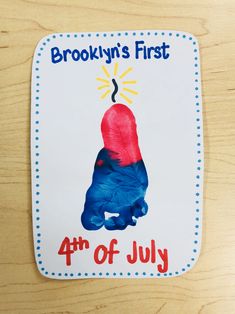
(115, 189)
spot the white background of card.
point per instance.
(70, 138)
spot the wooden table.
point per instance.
(210, 286)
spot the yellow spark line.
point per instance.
(130, 91)
(129, 82)
(102, 80)
(126, 98)
(105, 94)
(125, 73)
(105, 71)
(115, 69)
(103, 86)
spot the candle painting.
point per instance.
(120, 179)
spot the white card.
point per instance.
(117, 154)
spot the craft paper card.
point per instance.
(117, 154)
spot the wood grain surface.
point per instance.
(210, 286)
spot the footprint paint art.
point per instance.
(119, 179)
(116, 154)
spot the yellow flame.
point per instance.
(107, 82)
(115, 69)
(125, 72)
(102, 80)
(105, 71)
(130, 91)
(129, 82)
(126, 98)
(103, 86)
(105, 94)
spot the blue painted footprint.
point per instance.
(120, 179)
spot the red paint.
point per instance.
(164, 256)
(68, 247)
(65, 250)
(144, 258)
(147, 254)
(132, 259)
(118, 128)
(100, 162)
(153, 252)
(144, 253)
(105, 252)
